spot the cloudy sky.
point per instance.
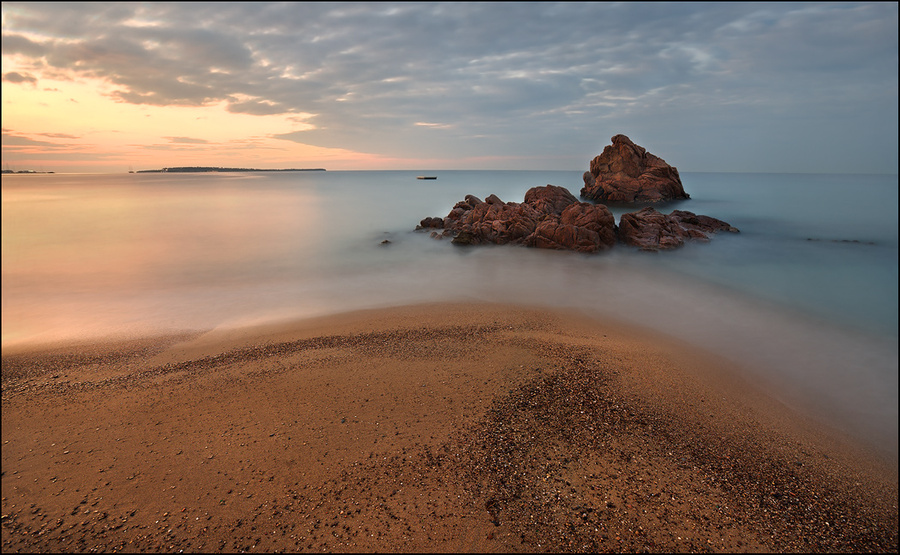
(780, 87)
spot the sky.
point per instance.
(709, 87)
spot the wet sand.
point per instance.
(436, 428)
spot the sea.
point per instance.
(804, 299)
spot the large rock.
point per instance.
(581, 227)
(551, 217)
(625, 172)
(651, 230)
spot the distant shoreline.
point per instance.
(21, 171)
(201, 169)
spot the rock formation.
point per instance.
(650, 230)
(625, 172)
(551, 217)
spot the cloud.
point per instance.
(257, 107)
(187, 140)
(22, 143)
(15, 77)
(179, 147)
(295, 136)
(59, 135)
(433, 125)
(19, 44)
(504, 78)
(19, 140)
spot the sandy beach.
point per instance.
(428, 428)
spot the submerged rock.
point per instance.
(626, 172)
(431, 223)
(651, 230)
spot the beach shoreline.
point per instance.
(436, 427)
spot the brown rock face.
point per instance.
(551, 218)
(432, 223)
(651, 230)
(626, 172)
(581, 227)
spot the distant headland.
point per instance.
(199, 169)
(21, 171)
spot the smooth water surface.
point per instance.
(805, 297)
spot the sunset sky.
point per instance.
(780, 87)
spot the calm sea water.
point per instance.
(805, 297)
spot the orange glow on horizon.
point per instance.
(75, 126)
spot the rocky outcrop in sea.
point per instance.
(651, 230)
(553, 218)
(625, 172)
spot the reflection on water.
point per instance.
(95, 255)
(187, 250)
(85, 257)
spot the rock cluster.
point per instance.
(625, 172)
(652, 230)
(552, 218)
